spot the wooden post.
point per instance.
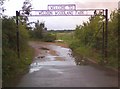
(17, 34)
(106, 36)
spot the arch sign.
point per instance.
(69, 10)
(65, 10)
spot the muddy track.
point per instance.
(54, 66)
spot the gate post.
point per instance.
(106, 36)
(103, 43)
(118, 36)
(17, 34)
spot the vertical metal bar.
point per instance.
(103, 43)
(118, 37)
(106, 37)
(17, 34)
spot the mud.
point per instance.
(55, 66)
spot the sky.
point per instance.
(60, 22)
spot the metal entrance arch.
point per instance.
(69, 10)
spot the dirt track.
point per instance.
(53, 66)
(42, 48)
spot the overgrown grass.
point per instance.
(13, 67)
(66, 37)
(81, 50)
(87, 52)
(48, 37)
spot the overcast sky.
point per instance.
(60, 22)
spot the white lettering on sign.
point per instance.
(79, 12)
(65, 10)
(57, 13)
(62, 7)
(63, 13)
(56, 8)
(45, 12)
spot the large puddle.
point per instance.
(63, 56)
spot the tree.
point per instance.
(2, 9)
(87, 31)
(113, 34)
(90, 34)
(40, 32)
(11, 64)
(26, 9)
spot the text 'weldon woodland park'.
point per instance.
(62, 10)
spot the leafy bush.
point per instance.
(49, 37)
(90, 35)
(87, 39)
(11, 64)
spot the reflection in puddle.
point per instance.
(64, 57)
(56, 70)
(65, 53)
(34, 67)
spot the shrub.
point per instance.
(49, 37)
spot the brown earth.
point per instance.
(42, 49)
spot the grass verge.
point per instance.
(14, 68)
(82, 50)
